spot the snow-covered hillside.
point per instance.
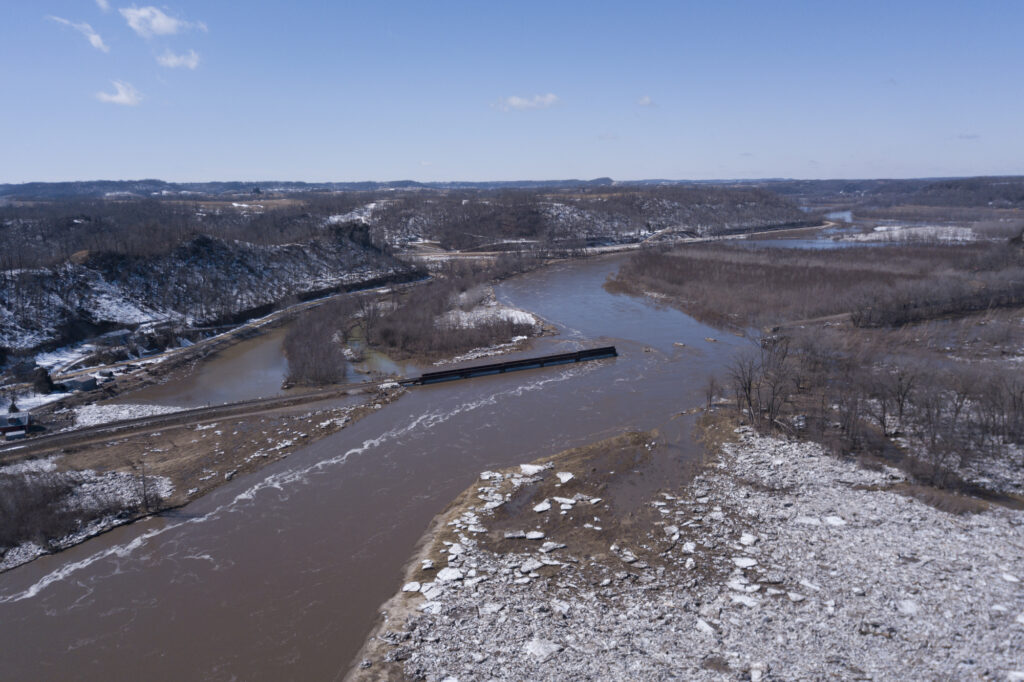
(201, 281)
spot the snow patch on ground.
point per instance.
(55, 360)
(93, 415)
(360, 215)
(488, 351)
(901, 233)
(91, 491)
(485, 314)
(31, 466)
(28, 401)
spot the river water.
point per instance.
(253, 368)
(278, 575)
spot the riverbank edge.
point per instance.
(801, 564)
(400, 607)
(97, 527)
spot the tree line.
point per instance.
(410, 323)
(739, 286)
(857, 399)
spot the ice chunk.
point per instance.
(541, 649)
(548, 547)
(743, 599)
(908, 607)
(448, 573)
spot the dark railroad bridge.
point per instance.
(513, 366)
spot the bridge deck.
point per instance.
(513, 365)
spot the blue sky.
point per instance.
(498, 91)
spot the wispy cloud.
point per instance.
(123, 93)
(646, 101)
(151, 21)
(103, 5)
(515, 103)
(969, 136)
(188, 60)
(86, 30)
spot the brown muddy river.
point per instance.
(278, 575)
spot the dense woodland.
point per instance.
(741, 286)
(74, 267)
(942, 418)
(892, 353)
(1002, 192)
(43, 234)
(413, 323)
(77, 259)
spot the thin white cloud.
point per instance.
(86, 30)
(188, 60)
(515, 103)
(151, 21)
(124, 94)
(103, 5)
(646, 101)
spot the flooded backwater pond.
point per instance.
(278, 575)
(252, 368)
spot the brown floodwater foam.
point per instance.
(279, 574)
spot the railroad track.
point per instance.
(189, 417)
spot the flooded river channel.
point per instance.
(278, 575)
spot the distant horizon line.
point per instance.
(603, 179)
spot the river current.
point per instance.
(278, 575)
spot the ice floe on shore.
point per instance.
(95, 414)
(731, 578)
